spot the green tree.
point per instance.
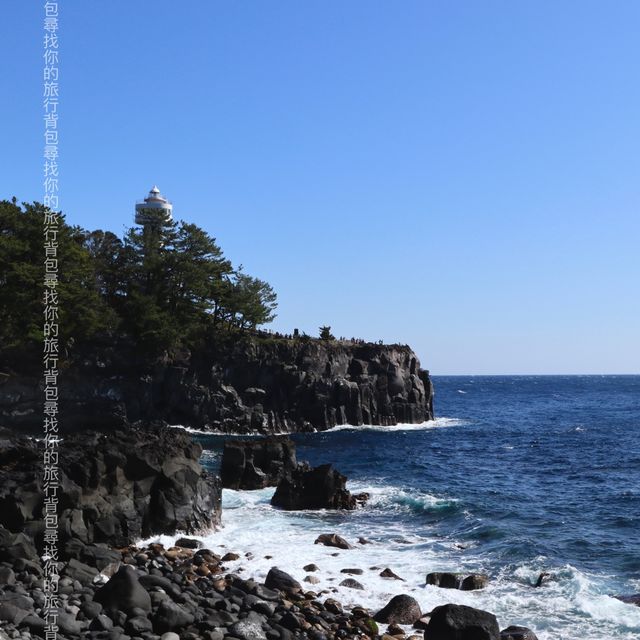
(82, 311)
(252, 301)
(147, 264)
(165, 284)
(109, 260)
(21, 274)
(325, 334)
(199, 272)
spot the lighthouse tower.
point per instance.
(154, 210)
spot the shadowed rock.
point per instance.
(320, 487)
(256, 464)
(402, 609)
(332, 540)
(515, 632)
(350, 583)
(114, 489)
(459, 622)
(123, 592)
(462, 581)
(278, 579)
(387, 573)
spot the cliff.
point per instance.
(257, 384)
(114, 488)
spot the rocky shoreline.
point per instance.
(185, 593)
(122, 487)
(147, 482)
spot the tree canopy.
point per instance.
(166, 286)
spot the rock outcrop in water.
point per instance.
(267, 462)
(263, 385)
(256, 464)
(321, 487)
(114, 489)
(462, 581)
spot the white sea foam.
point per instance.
(430, 424)
(570, 606)
(422, 426)
(190, 429)
(210, 432)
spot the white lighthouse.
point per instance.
(154, 210)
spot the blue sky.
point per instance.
(462, 177)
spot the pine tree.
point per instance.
(325, 334)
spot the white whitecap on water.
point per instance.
(190, 429)
(208, 456)
(386, 497)
(213, 432)
(570, 606)
(430, 424)
(251, 525)
(422, 426)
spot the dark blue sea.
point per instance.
(518, 475)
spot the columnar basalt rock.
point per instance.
(321, 487)
(257, 385)
(255, 464)
(114, 488)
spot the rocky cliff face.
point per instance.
(258, 385)
(114, 488)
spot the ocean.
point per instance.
(518, 475)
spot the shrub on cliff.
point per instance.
(325, 334)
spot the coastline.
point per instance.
(415, 531)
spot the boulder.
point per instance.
(332, 540)
(123, 592)
(350, 583)
(630, 599)
(387, 573)
(68, 624)
(462, 581)
(255, 464)
(401, 609)
(79, 571)
(188, 543)
(137, 625)
(99, 556)
(545, 576)
(11, 613)
(7, 576)
(170, 617)
(247, 630)
(515, 632)
(320, 487)
(281, 581)
(14, 546)
(333, 606)
(459, 622)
